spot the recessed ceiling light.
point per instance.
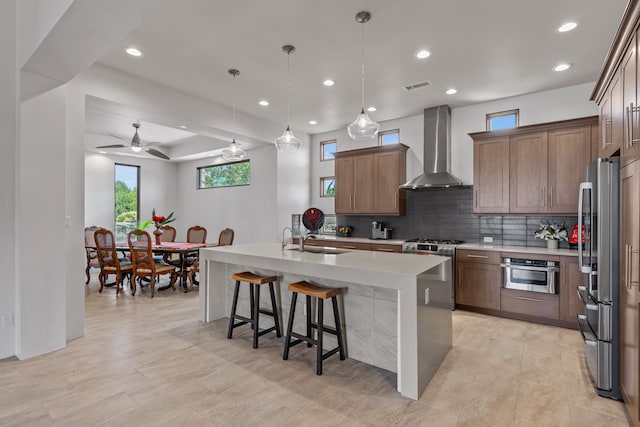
(328, 82)
(372, 108)
(562, 67)
(423, 54)
(313, 122)
(263, 102)
(133, 51)
(451, 91)
(567, 26)
(102, 152)
(183, 127)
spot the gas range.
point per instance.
(431, 246)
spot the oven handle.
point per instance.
(581, 290)
(524, 267)
(586, 340)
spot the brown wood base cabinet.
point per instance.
(478, 279)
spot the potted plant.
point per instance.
(552, 233)
(343, 230)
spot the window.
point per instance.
(389, 137)
(327, 148)
(503, 120)
(328, 186)
(127, 200)
(224, 175)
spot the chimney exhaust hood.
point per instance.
(437, 146)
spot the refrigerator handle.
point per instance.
(584, 186)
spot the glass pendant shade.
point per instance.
(233, 152)
(288, 141)
(135, 141)
(363, 127)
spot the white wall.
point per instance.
(41, 225)
(250, 210)
(158, 188)
(560, 104)
(9, 116)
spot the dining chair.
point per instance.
(91, 251)
(225, 238)
(168, 234)
(143, 263)
(108, 259)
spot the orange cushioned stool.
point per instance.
(320, 294)
(255, 281)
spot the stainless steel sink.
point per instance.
(320, 250)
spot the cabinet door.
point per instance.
(616, 120)
(478, 285)
(569, 155)
(629, 241)
(363, 183)
(631, 138)
(491, 175)
(570, 278)
(528, 173)
(605, 124)
(344, 185)
(387, 187)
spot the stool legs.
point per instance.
(336, 315)
(254, 320)
(319, 340)
(275, 311)
(309, 322)
(256, 315)
(292, 314)
(233, 310)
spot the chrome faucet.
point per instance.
(303, 238)
(284, 242)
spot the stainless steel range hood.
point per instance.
(437, 146)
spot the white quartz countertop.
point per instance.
(519, 249)
(389, 270)
(331, 238)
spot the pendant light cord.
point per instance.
(362, 82)
(234, 107)
(288, 87)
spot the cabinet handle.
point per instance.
(630, 267)
(477, 256)
(349, 247)
(551, 196)
(350, 201)
(607, 133)
(627, 135)
(354, 201)
(395, 200)
(385, 250)
(476, 198)
(529, 299)
(633, 110)
(544, 197)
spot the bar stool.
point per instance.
(255, 281)
(320, 294)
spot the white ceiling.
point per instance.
(486, 49)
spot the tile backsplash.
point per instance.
(447, 213)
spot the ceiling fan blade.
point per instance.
(119, 137)
(113, 146)
(157, 153)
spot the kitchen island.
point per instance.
(394, 306)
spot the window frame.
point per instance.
(199, 178)
(514, 112)
(138, 175)
(327, 142)
(388, 132)
(322, 181)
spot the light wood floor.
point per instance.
(149, 362)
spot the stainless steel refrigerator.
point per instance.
(598, 211)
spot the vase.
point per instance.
(552, 244)
(157, 232)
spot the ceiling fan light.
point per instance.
(288, 141)
(136, 148)
(233, 152)
(363, 127)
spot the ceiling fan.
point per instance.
(137, 145)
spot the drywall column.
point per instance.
(9, 83)
(41, 264)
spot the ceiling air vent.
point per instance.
(419, 85)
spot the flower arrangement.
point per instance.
(343, 230)
(551, 231)
(157, 220)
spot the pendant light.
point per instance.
(288, 141)
(233, 151)
(363, 127)
(135, 141)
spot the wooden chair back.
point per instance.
(141, 254)
(226, 237)
(168, 234)
(106, 249)
(89, 240)
(197, 234)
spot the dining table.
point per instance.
(167, 249)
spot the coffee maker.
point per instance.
(379, 231)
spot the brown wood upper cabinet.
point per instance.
(368, 180)
(532, 169)
(630, 98)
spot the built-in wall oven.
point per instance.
(530, 274)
